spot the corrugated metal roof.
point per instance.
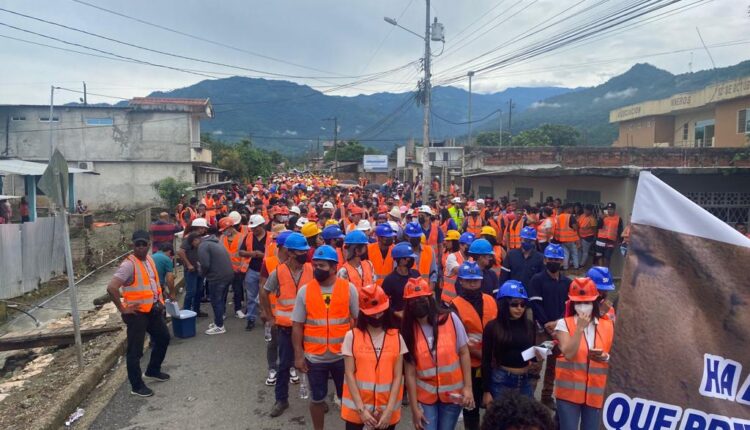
(21, 167)
(167, 101)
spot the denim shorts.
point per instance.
(504, 381)
(317, 378)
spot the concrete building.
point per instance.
(131, 146)
(717, 116)
(445, 159)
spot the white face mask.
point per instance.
(584, 309)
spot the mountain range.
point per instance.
(289, 117)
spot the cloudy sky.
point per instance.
(341, 46)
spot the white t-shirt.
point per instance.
(451, 262)
(589, 333)
(377, 340)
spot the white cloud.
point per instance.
(630, 92)
(538, 105)
(290, 132)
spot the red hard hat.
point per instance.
(372, 300)
(582, 290)
(225, 223)
(416, 287)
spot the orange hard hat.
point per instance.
(283, 210)
(355, 210)
(372, 299)
(416, 287)
(582, 290)
(225, 223)
(382, 209)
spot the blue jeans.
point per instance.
(286, 357)
(504, 382)
(193, 283)
(570, 414)
(216, 293)
(441, 416)
(585, 248)
(252, 287)
(571, 250)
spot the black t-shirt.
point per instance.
(394, 284)
(508, 354)
(190, 252)
(258, 245)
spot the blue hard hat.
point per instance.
(512, 289)
(470, 270)
(296, 242)
(554, 251)
(413, 229)
(602, 278)
(466, 238)
(327, 253)
(403, 250)
(281, 238)
(355, 237)
(384, 230)
(528, 233)
(481, 247)
(332, 232)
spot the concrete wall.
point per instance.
(726, 123)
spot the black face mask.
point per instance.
(455, 246)
(388, 241)
(375, 322)
(415, 242)
(553, 266)
(321, 275)
(339, 243)
(420, 309)
(409, 263)
(422, 219)
(471, 294)
(301, 259)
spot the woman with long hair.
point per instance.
(373, 361)
(504, 338)
(438, 365)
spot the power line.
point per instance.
(465, 122)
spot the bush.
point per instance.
(170, 190)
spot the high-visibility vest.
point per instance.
(249, 241)
(564, 233)
(271, 262)
(210, 208)
(497, 267)
(514, 233)
(440, 375)
(233, 249)
(425, 262)
(474, 226)
(457, 215)
(586, 226)
(373, 374)
(499, 230)
(326, 326)
(470, 318)
(610, 226)
(541, 234)
(382, 267)
(580, 380)
(287, 293)
(193, 215)
(444, 226)
(351, 227)
(367, 277)
(140, 291)
(449, 281)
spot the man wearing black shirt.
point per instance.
(393, 284)
(522, 263)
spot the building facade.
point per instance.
(717, 116)
(131, 147)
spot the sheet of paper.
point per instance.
(530, 353)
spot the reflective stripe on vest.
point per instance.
(287, 293)
(586, 226)
(470, 318)
(140, 291)
(563, 232)
(474, 225)
(233, 249)
(249, 244)
(449, 281)
(374, 375)
(439, 375)
(583, 381)
(325, 326)
(354, 277)
(271, 262)
(425, 262)
(610, 226)
(381, 266)
(514, 233)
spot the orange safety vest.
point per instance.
(498, 229)
(425, 262)
(367, 277)
(440, 375)
(140, 291)
(234, 252)
(374, 375)
(326, 325)
(287, 293)
(381, 266)
(470, 318)
(564, 233)
(583, 381)
(474, 226)
(586, 226)
(449, 281)
(249, 240)
(514, 233)
(541, 235)
(497, 267)
(210, 208)
(193, 215)
(610, 225)
(432, 239)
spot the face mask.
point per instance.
(527, 245)
(584, 309)
(321, 275)
(339, 243)
(553, 266)
(455, 246)
(409, 263)
(470, 294)
(375, 322)
(301, 259)
(420, 309)
(422, 219)
(415, 242)
(387, 241)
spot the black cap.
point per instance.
(611, 205)
(140, 235)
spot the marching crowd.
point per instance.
(448, 305)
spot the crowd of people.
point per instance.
(433, 304)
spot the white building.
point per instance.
(130, 147)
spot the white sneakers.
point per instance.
(214, 329)
(241, 315)
(271, 380)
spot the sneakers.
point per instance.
(144, 391)
(161, 376)
(250, 325)
(293, 377)
(215, 330)
(241, 315)
(279, 408)
(271, 380)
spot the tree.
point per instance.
(492, 138)
(548, 135)
(241, 159)
(170, 190)
(350, 151)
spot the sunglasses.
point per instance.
(517, 304)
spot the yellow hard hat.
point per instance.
(424, 239)
(310, 229)
(489, 231)
(452, 235)
(331, 222)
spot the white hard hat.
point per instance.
(327, 205)
(375, 195)
(199, 222)
(235, 217)
(395, 212)
(456, 200)
(425, 209)
(301, 222)
(480, 201)
(363, 225)
(256, 220)
(394, 225)
(255, 189)
(295, 209)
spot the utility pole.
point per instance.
(510, 116)
(85, 100)
(335, 120)
(426, 171)
(51, 112)
(500, 111)
(471, 74)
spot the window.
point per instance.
(46, 119)
(523, 194)
(583, 196)
(99, 121)
(685, 131)
(18, 118)
(704, 133)
(445, 156)
(484, 191)
(433, 156)
(743, 122)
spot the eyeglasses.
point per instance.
(517, 304)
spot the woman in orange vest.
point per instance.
(438, 365)
(373, 362)
(581, 370)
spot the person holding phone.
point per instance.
(581, 371)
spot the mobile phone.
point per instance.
(596, 351)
